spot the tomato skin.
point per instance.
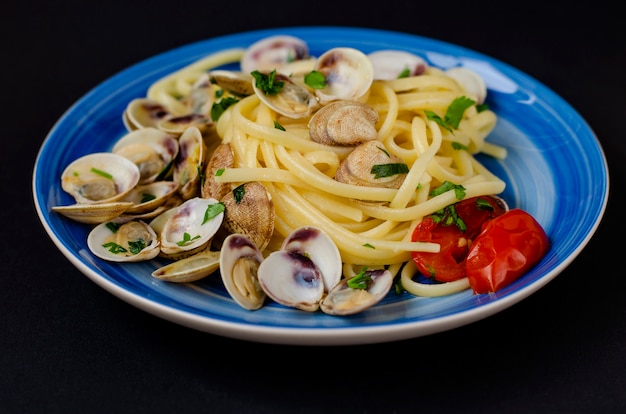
(449, 263)
(508, 247)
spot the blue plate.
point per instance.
(556, 170)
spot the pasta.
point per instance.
(371, 226)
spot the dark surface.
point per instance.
(66, 345)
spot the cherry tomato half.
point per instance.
(454, 237)
(508, 247)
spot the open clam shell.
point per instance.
(151, 149)
(94, 213)
(348, 72)
(273, 52)
(100, 177)
(345, 300)
(240, 259)
(123, 241)
(393, 64)
(190, 269)
(190, 162)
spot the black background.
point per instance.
(66, 345)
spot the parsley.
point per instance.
(483, 204)
(359, 281)
(239, 193)
(447, 216)
(384, 151)
(136, 246)
(482, 107)
(114, 248)
(458, 146)
(268, 83)
(218, 108)
(369, 246)
(404, 74)
(459, 190)
(102, 173)
(454, 113)
(187, 239)
(315, 79)
(212, 211)
(220, 171)
(387, 170)
(112, 226)
(145, 197)
(278, 126)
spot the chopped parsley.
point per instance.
(454, 113)
(219, 171)
(278, 126)
(267, 83)
(448, 216)
(239, 192)
(387, 170)
(145, 197)
(315, 79)
(114, 248)
(212, 211)
(369, 246)
(101, 173)
(406, 72)
(359, 281)
(459, 190)
(218, 108)
(187, 239)
(458, 146)
(136, 246)
(112, 226)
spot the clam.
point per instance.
(371, 165)
(189, 228)
(94, 213)
(346, 300)
(292, 100)
(470, 81)
(100, 177)
(122, 240)
(347, 123)
(177, 125)
(222, 157)
(249, 210)
(236, 82)
(394, 64)
(190, 162)
(272, 52)
(240, 259)
(147, 197)
(298, 275)
(190, 269)
(144, 113)
(348, 73)
(151, 149)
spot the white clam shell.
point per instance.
(100, 177)
(190, 161)
(470, 81)
(151, 149)
(344, 300)
(240, 260)
(191, 268)
(272, 52)
(349, 74)
(147, 197)
(186, 231)
(128, 232)
(94, 213)
(293, 100)
(391, 64)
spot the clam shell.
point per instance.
(116, 240)
(191, 268)
(94, 213)
(190, 162)
(391, 64)
(272, 52)
(240, 260)
(147, 197)
(349, 74)
(344, 300)
(348, 123)
(100, 177)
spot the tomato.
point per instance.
(449, 264)
(508, 247)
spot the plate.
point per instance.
(556, 170)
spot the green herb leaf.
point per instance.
(213, 210)
(315, 79)
(268, 83)
(459, 190)
(187, 239)
(219, 172)
(454, 113)
(145, 197)
(136, 246)
(278, 126)
(387, 170)
(239, 192)
(101, 173)
(218, 108)
(458, 146)
(369, 246)
(404, 74)
(112, 226)
(114, 248)
(482, 107)
(359, 281)
(483, 204)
